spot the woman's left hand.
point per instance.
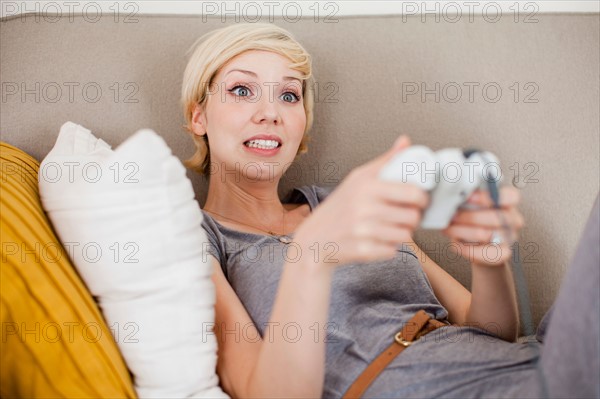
(480, 234)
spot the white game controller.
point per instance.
(451, 175)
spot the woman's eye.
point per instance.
(241, 91)
(290, 97)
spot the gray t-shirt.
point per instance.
(369, 303)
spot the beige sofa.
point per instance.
(526, 91)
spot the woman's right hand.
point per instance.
(364, 218)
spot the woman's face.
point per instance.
(254, 117)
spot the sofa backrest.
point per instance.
(526, 91)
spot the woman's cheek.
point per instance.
(300, 122)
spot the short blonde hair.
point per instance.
(214, 49)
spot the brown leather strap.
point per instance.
(419, 325)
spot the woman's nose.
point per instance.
(267, 108)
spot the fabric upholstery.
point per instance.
(55, 342)
(131, 217)
(545, 127)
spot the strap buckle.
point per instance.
(398, 338)
(412, 330)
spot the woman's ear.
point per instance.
(198, 121)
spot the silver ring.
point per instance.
(496, 238)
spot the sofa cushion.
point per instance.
(54, 340)
(134, 229)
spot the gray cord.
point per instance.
(520, 284)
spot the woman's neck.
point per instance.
(253, 203)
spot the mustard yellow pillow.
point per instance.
(54, 342)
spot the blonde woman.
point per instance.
(312, 288)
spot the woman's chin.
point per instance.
(252, 168)
(262, 172)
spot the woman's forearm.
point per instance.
(493, 301)
(291, 361)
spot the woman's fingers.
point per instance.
(479, 235)
(402, 194)
(490, 218)
(476, 235)
(394, 215)
(485, 235)
(509, 196)
(369, 218)
(384, 233)
(365, 218)
(373, 251)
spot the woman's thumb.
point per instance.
(399, 145)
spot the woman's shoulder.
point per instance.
(216, 240)
(209, 224)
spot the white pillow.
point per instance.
(129, 221)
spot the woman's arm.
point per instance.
(451, 294)
(238, 340)
(492, 303)
(288, 360)
(363, 220)
(291, 362)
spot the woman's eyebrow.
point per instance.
(242, 71)
(286, 78)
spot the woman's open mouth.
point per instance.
(262, 147)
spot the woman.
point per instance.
(310, 291)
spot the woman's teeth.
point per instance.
(262, 144)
